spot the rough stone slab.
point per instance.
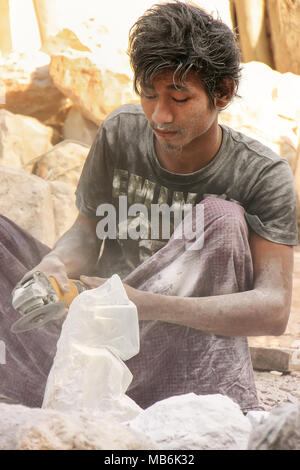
(23, 428)
(280, 359)
(76, 127)
(27, 201)
(93, 85)
(64, 162)
(22, 138)
(194, 422)
(29, 89)
(280, 430)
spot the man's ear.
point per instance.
(224, 96)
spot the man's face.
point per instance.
(180, 115)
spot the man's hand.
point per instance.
(92, 282)
(74, 253)
(52, 266)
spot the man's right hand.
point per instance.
(75, 253)
(52, 266)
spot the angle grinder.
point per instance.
(39, 299)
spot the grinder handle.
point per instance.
(75, 288)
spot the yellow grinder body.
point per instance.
(39, 299)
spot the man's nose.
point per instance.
(162, 113)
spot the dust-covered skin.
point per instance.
(183, 145)
(75, 253)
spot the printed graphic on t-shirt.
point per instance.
(143, 211)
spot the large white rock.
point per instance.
(96, 82)
(193, 422)
(64, 162)
(29, 89)
(64, 207)
(57, 15)
(45, 209)
(22, 138)
(284, 18)
(26, 199)
(77, 127)
(280, 430)
(23, 428)
(268, 112)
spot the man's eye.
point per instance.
(149, 97)
(180, 101)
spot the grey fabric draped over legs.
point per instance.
(28, 356)
(174, 359)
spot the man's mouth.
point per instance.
(164, 133)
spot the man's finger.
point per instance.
(92, 281)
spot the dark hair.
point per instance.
(183, 37)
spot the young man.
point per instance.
(226, 273)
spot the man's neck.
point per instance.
(193, 157)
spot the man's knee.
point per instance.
(228, 216)
(213, 216)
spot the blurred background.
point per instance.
(64, 68)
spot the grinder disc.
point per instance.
(38, 317)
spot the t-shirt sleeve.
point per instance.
(271, 211)
(95, 183)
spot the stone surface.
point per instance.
(22, 138)
(192, 422)
(251, 22)
(96, 83)
(18, 27)
(26, 199)
(257, 417)
(274, 359)
(280, 431)
(64, 162)
(76, 127)
(64, 207)
(274, 389)
(23, 428)
(29, 88)
(284, 17)
(268, 112)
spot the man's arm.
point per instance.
(264, 310)
(75, 253)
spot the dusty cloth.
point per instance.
(29, 355)
(173, 359)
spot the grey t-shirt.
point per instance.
(122, 162)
